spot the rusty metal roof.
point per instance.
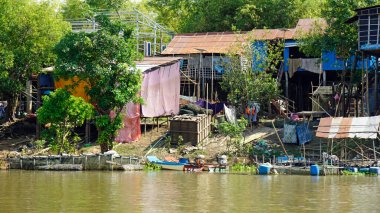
(357, 127)
(216, 42)
(221, 42)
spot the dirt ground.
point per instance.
(16, 136)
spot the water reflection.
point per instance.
(30, 191)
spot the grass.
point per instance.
(243, 168)
(151, 167)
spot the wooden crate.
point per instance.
(193, 129)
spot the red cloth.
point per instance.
(132, 129)
(160, 91)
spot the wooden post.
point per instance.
(374, 150)
(29, 95)
(304, 153)
(320, 150)
(376, 87)
(323, 77)
(286, 85)
(362, 102)
(367, 87)
(144, 126)
(87, 131)
(212, 76)
(158, 124)
(38, 125)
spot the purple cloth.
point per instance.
(160, 91)
(216, 108)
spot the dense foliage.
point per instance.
(235, 134)
(247, 81)
(28, 32)
(105, 61)
(63, 112)
(338, 36)
(227, 15)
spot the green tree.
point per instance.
(28, 32)
(74, 9)
(63, 112)
(249, 73)
(235, 134)
(227, 15)
(337, 36)
(105, 61)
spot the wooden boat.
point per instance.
(168, 165)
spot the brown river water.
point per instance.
(39, 191)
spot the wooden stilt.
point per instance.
(367, 87)
(158, 124)
(374, 149)
(87, 131)
(144, 126)
(212, 77)
(376, 87)
(286, 85)
(320, 150)
(362, 98)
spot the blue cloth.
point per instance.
(303, 133)
(46, 80)
(220, 64)
(216, 108)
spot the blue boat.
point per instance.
(168, 165)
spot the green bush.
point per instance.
(61, 113)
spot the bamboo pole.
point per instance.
(279, 138)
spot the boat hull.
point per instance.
(179, 167)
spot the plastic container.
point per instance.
(374, 170)
(264, 169)
(364, 170)
(183, 160)
(314, 170)
(352, 169)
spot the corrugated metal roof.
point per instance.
(221, 42)
(151, 62)
(203, 42)
(357, 127)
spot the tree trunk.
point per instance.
(104, 147)
(10, 110)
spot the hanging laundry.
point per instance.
(251, 111)
(294, 64)
(230, 114)
(303, 133)
(290, 135)
(311, 65)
